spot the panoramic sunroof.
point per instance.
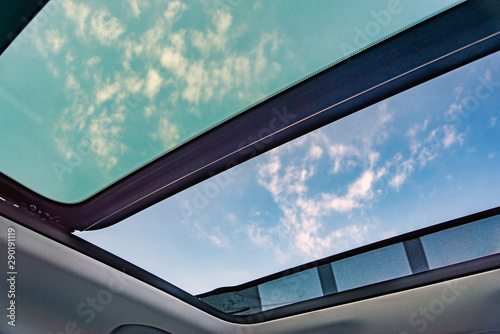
(93, 90)
(422, 157)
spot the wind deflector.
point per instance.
(440, 44)
(369, 271)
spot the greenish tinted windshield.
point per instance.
(93, 90)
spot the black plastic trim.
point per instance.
(19, 14)
(138, 329)
(416, 255)
(452, 39)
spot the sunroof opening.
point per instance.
(422, 157)
(93, 90)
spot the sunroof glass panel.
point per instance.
(422, 157)
(93, 90)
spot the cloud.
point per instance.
(55, 40)
(93, 61)
(417, 128)
(174, 61)
(52, 42)
(403, 170)
(174, 10)
(105, 27)
(78, 13)
(493, 122)
(134, 7)
(272, 42)
(69, 57)
(53, 69)
(103, 131)
(315, 152)
(197, 83)
(72, 83)
(106, 91)
(153, 83)
(305, 212)
(339, 153)
(258, 236)
(205, 42)
(168, 133)
(451, 137)
(198, 80)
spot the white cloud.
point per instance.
(149, 45)
(487, 75)
(417, 128)
(53, 41)
(149, 111)
(305, 215)
(451, 137)
(403, 169)
(398, 180)
(133, 84)
(339, 153)
(93, 61)
(210, 40)
(103, 131)
(53, 69)
(153, 83)
(315, 152)
(493, 122)
(197, 83)
(174, 10)
(168, 133)
(78, 13)
(105, 27)
(174, 61)
(270, 41)
(258, 236)
(491, 155)
(72, 83)
(106, 91)
(134, 6)
(69, 57)
(257, 5)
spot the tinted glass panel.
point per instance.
(92, 90)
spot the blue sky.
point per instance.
(102, 88)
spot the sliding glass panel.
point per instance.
(463, 243)
(93, 90)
